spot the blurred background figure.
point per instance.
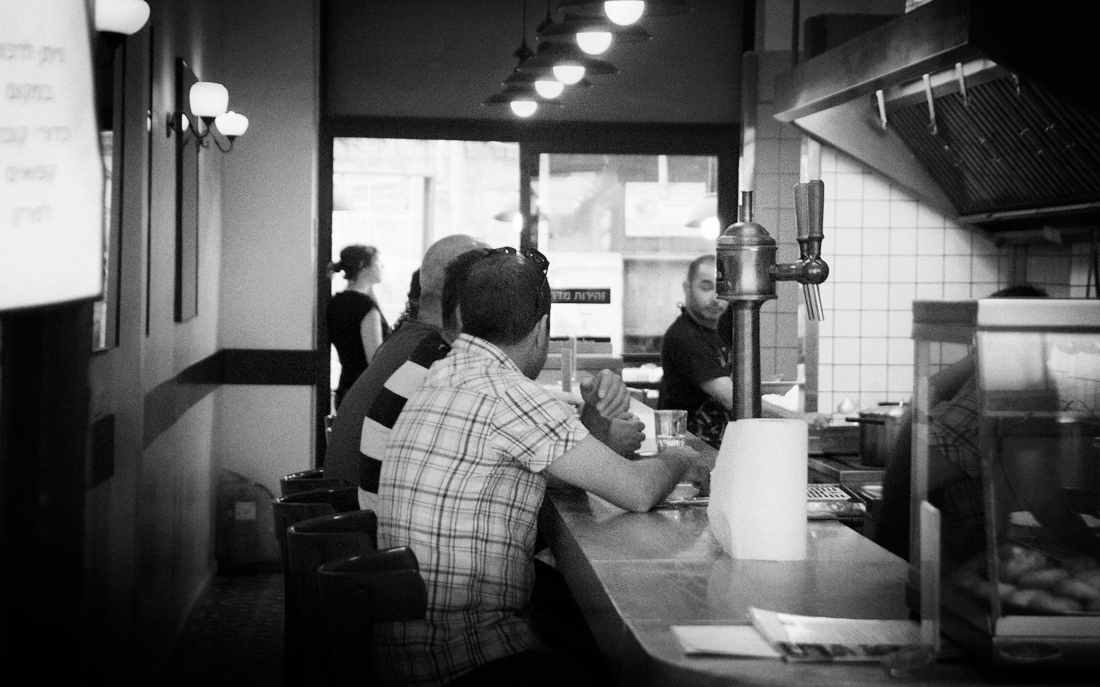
(356, 327)
(412, 304)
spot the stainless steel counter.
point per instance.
(637, 574)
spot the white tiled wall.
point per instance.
(885, 250)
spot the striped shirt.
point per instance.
(462, 486)
(386, 408)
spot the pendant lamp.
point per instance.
(594, 36)
(624, 12)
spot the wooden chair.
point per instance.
(311, 543)
(356, 593)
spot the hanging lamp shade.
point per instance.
(513, 92)
(571, 27)
(544, 83)
(552, 53)
(600, 8)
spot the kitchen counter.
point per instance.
(637, 574)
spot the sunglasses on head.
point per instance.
(537, 258)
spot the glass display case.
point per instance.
(1006, 420)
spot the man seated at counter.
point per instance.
(362, 426)
(695, 360)
(465, 475)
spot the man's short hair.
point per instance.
(693, 268)
(502, 297)
(455, 275)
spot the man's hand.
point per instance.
(699, 466)
(625, 435)
(607, 394)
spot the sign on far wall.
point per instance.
(51, 169)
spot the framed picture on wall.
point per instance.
(187, 200)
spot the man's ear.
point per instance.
(542, 330)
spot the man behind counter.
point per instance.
(696, 361)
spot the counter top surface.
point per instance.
(637, 574)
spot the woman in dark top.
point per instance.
(356, 326)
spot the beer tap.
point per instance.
(746, 277)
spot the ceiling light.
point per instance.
(569, 73)
(523, 107)
(603, 8)
(549, 88)
(520, 93)
(594, 42)
(557, 53)
(624, 12)
(543, 83)
(591, 34)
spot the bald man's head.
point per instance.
(433, 272)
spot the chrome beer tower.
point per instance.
(746, 277)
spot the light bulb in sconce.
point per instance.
(124, 17)
(549, 88)
(624, 12)
(594, 42)
(231, 124)
(569, 74)
(524, 108)
(208, 99)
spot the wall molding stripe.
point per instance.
(166, 403)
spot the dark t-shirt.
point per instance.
(691, 354)
(368, 398)
(346, 311)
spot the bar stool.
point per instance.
(307, 480)
(356, 592)
(286, 511)
(310, 543)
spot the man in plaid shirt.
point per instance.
(465, 475)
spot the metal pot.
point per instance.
(880, 432)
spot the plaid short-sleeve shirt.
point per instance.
(462, 485)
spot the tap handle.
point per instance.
(809, 205)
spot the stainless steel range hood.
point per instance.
(983, 109)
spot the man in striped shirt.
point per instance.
(465, 474)
(362, 426)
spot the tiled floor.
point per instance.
(234, 636)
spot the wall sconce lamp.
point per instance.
(117, 19)
(208, 117)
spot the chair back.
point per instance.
(307, 480)
(356, 592)
(286, 511)
(311, 543)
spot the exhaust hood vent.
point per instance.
(967, 115)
